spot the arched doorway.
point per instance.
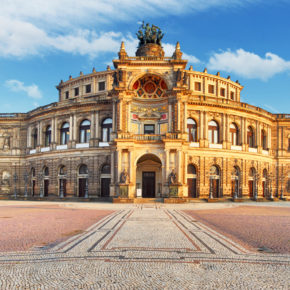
(265, 183)
(236, 173)
(46, 181)
(214, 181)
(252, 174)
(191, 181)
(149, 175)
(105, 180)
(83, 175)
(62, 181)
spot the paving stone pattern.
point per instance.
(145, 247)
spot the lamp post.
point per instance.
(256, 182)
(41, 184)
(281, 181)
(61, 188)
(87, 186)
(25, 177)
(234, 174)
(15, 178)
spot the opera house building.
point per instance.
(152, 127)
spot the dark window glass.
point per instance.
(250, 137)
(197, 86)
(106, 130)
(191, 130)
(106, 169)
(83, 169)
(85, 131)
(64, 134)
(211, 89)
(101, 86)
(88, 88)
(77, 91)
(67, 94)
(34, 138)
(149, 129)
(223, 92)
(213, 132)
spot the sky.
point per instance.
(43, 42)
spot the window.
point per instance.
(67, 94)
(47, 140)
(149, 129)
(46, 171)
(211, 89)
(77, 91)
(234, 134)
(64, 133)
(223, 92)
(88, 89)
(106, 130)
(250, 137)
(191, 169)
(191, 130)
(264, 140)
(83, 169)
(62, 170)
(85, 131)
(101, 86)
(232, 95)
(34, 138)
(106, 169)
(213, 132)
(197, 86)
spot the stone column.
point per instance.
(29, 137)
(178, 116)
(39, 133)
(128, 117)
(97, 125)
(74, 128)
(170, 118)
(205, 123)
(269, 137)
(201, 126)
(167, 165)
(114, 117)
(93, 131)
(185, 167)
(53, 130)
(185, 117)
(121, 115)
(242, 129)
(70, 128)
(179, 152)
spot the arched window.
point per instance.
(214, 181)
(47, 140)
(264, 140)
(191, 169)
(106, 169)
(251, 137)
(85, 131)
(213, 132)
(46, 171)
(83, 169)
(234, 134)
(62, 170)
(64, 133)
(106, 130)
(191, 130)
(34, 138)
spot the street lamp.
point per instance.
(15, 178)
(61, 188)
(41, 184)
(256, 182)
(87, 186)
(281, 181)
(25, 177)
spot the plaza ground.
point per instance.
(53, 245)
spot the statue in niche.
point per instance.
(6, 144)
(172, 179)
(5, 178)
(124, 177)
(4, 140)
(185, 78)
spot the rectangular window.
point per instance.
(66, 95)
(149, 129)
(77, 91)
(211, 89)
(101, 86)
(88, 89)
(223, 92)
(232, 95)
(197, 86)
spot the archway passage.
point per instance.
(191, 181)
(149, 176)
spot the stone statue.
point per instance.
(172, 179)
(124, 177)
(147, 34)
(6, 143)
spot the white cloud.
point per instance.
(34, 27)
(248, 64)
(32, 91)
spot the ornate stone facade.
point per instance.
(149, 128)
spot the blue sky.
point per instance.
(42, 42)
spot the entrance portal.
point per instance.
(148, 184)
(149, 176)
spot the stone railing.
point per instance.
(148, 137)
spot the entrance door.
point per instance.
(33, 188)
(191, 182)
(251, 188)
(264, 188)
(148, 184)
(82, 187)
(105, 186)
(215, 188)
(46, 184)
(62, 182)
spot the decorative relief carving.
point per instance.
(5, 140)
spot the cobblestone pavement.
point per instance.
(145, 247)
